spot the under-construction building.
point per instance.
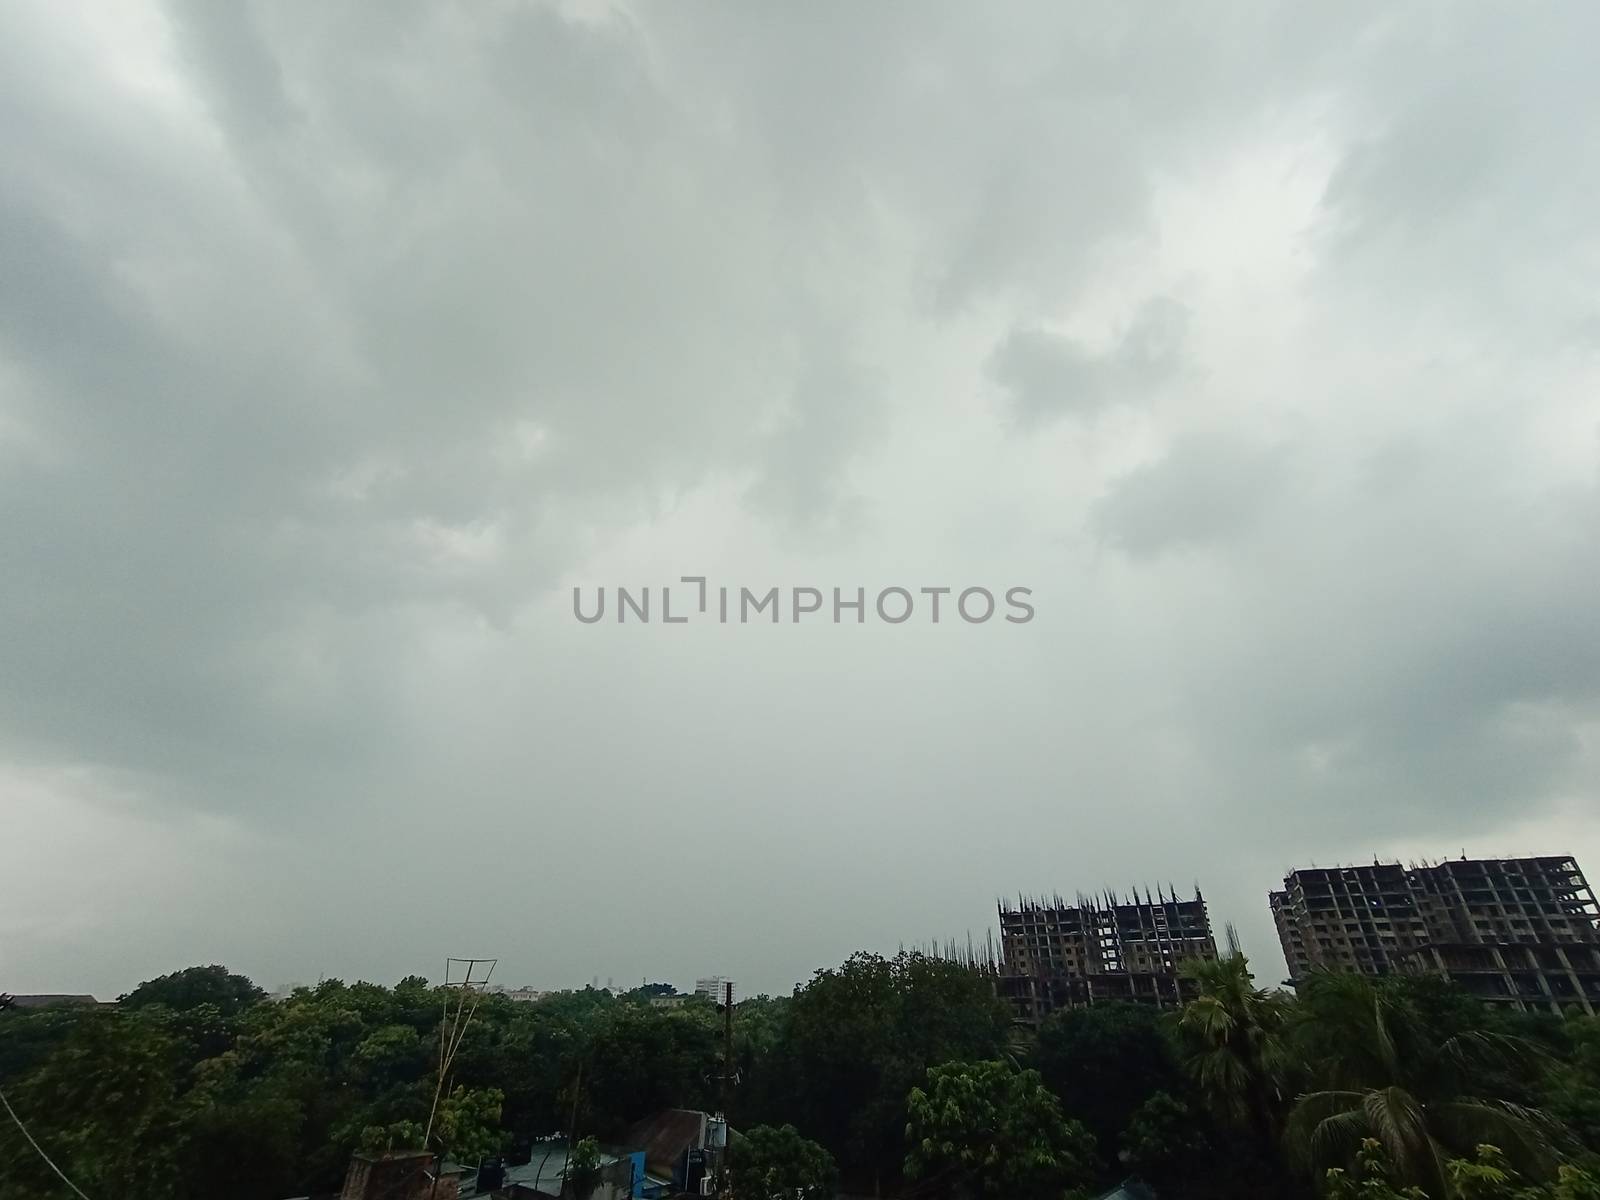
(1056, 954)
(1522, 932)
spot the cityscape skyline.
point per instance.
(337, 353)
(994, 941)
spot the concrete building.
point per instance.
(1058, 955)
(1524, 932)
(1347, 918)
(715, 987)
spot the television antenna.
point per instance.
(465, 980)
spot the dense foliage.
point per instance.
(1487, 1175)
(990, 1130)
(776, 1163)
(886, 1073)
(194, 986)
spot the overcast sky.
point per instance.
(339, 343)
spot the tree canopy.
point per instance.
(182, 990)
(776, 1163)
(989, 1129)
(896, 1074)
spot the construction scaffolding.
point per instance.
(1058, 954)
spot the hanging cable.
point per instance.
(39, 1148)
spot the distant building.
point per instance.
(1522, 932)
(1056, 954)
(715, 987)
(524, 994)
(668, 1001)
(49, 1000)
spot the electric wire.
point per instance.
(47, 1160)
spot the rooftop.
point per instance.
(48, 1000)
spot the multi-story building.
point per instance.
(1347, 918)
(1058, 955)
(715, 987)
(1524, 932)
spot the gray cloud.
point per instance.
(1047, 374)
(1206, 489)
(338, 344)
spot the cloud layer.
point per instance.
(338, 345)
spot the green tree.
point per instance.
(649, 991)
(194, 986)
(991, 1130)
(639, 1060)
(1104, 1062)
(1573, 1183)
(535, 1062)
(1485, 1176)
(1164, 1141)
(776, 1163)
(104, 1107)
(1373, 1179)
(1231, 1040)
(28, 1037)
(1386, 1074)
(389, 1055)
(467, 1125)
(1570, 1088)
(583, 1168)
(760, 1029)
(858, 1038)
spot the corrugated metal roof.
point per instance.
(665, 1136)
(1129, 1189)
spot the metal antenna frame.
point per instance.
(453, 1028)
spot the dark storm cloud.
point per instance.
(273, 392)
(338, 343)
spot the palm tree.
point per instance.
(1231, 1041)
(1388, 1076)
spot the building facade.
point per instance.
(715, 987)
(1056, 954)
(1524, 932)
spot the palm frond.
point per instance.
(1480, 1049)
(1303, 1133)
(1527, 1136)
(1398, 1120)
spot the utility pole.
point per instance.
(725, 1092)
(572, 1128)
(727, 1045)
